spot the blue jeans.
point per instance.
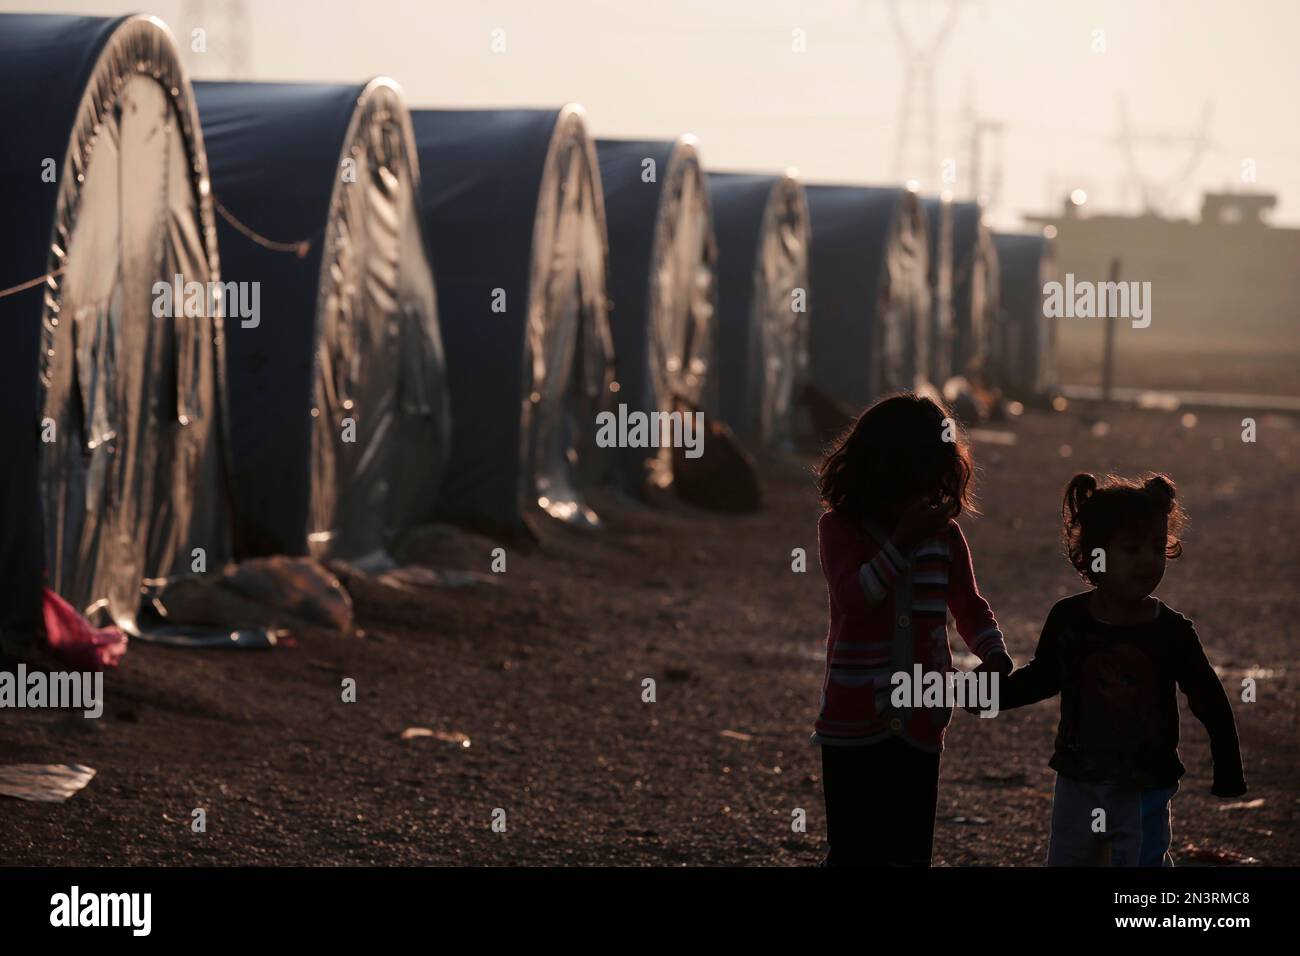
(1109, 824)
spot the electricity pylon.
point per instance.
(1160, 198)
(225, 51)
(916, 110)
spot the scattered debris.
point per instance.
(299, 587)
(43, 782)
(1158, 401)
(1243, 804)
(970, 402)
(258, 593)
(446, 736)
(829, 415)
(992, 436)
(75, 642)
(1008, 779)
(1215, 857)
(1173, 401)
(1271, 420)
(726, 479)
(736, 735)
(416, 578)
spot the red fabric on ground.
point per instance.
(74, 642)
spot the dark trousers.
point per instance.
(880, 802)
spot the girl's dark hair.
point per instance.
(903, 446)
(1092, 514)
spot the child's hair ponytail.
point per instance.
(1092, 512)
(1160, 488)
(1081, 487)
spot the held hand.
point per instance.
(923, 518)
(997, 662)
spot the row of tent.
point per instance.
(431, 308)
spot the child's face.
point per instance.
(1135, 561)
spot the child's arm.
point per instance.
(974, 618)
(857, 578)
(1209, 702)
(1041, 677)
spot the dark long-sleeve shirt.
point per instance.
(1119, 705)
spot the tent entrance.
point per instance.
(570, 347)
(781, 275)
(131, 402)
(377, 433)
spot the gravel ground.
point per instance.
(542, 669)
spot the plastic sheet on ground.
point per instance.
(43, 782)
(208, 638)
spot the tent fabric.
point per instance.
(763, 247)
(114, 412)
(870, 299)
(339, 414)
(1026, 263)
(662, 261)
(938, 218)
(515, 215)
(975, 295)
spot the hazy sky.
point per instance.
(729, 71)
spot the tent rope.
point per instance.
(301, 247)
(39, 280)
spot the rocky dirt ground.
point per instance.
(541, 668)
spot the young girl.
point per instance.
(1115, 654)
(895, 563)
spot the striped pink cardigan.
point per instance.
(889, 612)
